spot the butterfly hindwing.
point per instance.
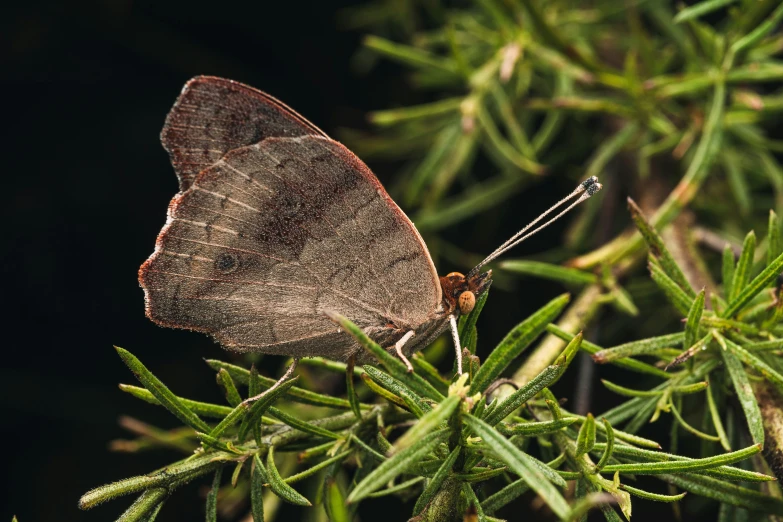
(275, 233)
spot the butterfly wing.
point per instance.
(272, 235)
(213, 116)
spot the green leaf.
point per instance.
(237, 470)
(563, 361)
(521, 463)
(394, 365)
(397, 488)
(624, 362)
(229, 388)
(437, 480)
(212, 497)
(334, 502)
(303, 426)
(229, 420)
(700, 9)
(767, 371)
(683, 466)
(620, 435)
(164, 396)
(631, 453)
(728, 493)
(383, 392)
(706, 436)
(429, 422)
(674, 293)
(744, 392)
(397, 464)
(395, 116)
(515, 342)
(774, 247)
(212, 442)
(737, 181)
(257, 479)
(458, 208)
(278, 485)
(744, 266)
(628, 392)
(692, 324)
(638, 405)
(750, 290)
(609, 450)
(473, 502)
(181, 471)
(259, 406)
(690, 388)
(410, 56)
(202, 408)
(144, 505)
(505, 496)
(644, 414)
(763, 346)
(728, 270)
(529, 429)
(318, 467)
(409, 397)
(353, 398)
(652, 496)
(522, 395)
(752, 38)
(647, 346)
(716, 421)
(300, 395)
(585, 440)
(468, 322)
(589, 501)
(561, 274)
(429, 372)
(503, 148)
(658, 249)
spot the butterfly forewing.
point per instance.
(213, 116)
(272, 235)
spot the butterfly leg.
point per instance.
(457, 346)
(276, 385)
(398, 348)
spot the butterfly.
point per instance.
(276, 225)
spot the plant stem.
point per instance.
(578, 314)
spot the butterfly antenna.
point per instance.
(586, 188)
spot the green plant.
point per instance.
(455, 441)
(532, 88)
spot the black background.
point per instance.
(86, 87)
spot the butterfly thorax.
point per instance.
(460, 292)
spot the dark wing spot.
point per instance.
(226, 263)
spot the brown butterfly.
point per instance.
(276, 225)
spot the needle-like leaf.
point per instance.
(515, 342)
(521, 463)
(161, 392)
(279, 486)
(744, 391)
(397, 464)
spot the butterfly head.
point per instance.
(460, 292)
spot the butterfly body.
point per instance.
(275, 225)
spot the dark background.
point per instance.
(86, 87)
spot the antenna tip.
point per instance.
(592, 189)
(586, 184)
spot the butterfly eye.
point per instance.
(466, 302)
